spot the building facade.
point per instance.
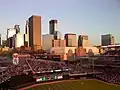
(10, 42)
(71, 40)
(26, 35)
(59, 43)
(107, 39)
(35, 32)
(17, 28)
(57, 35)
(19, 40)
(11, 32)
(82, 40)
(0, 40)
(47, 41)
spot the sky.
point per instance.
(89, 17)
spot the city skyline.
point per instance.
(89, 17)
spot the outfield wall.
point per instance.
(17, 82)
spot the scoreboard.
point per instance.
(48, 77)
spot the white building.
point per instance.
(11, 32)
(19, 40)
(47, 41)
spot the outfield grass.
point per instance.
(77, 85)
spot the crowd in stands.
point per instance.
(13, 70)
(110, 61)
(81, 66)
(3, 58)
(111, 75)
(75, 68)
(32, 65)
(112, 52)
(46, 65)
(110, 71)
(39, 66)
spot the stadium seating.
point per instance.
(31, 65)
(109, 74)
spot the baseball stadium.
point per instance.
(25, 72)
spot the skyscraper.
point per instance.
(35, 32)
(107, 39)
(0, 39)
(11, 32)
(57, 35)
(19, 40)
(52, 26)
(10, 42)
(27, 27)
(82, 40)
(26, 40)
(17, 28)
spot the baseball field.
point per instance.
(74, 85)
